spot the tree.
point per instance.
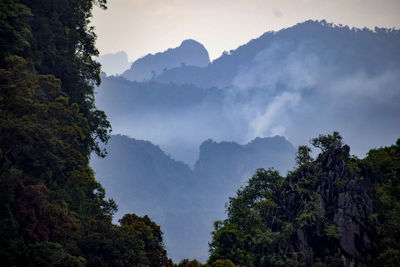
(321, 213)
(327, 142)
(142, 228)
(303, 156)
(52, 210)
(381, 168)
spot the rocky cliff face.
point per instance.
(342, 207)
(326, 212)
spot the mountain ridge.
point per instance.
(222, 70)
(190, 52)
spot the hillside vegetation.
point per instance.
(52, 210)
(335, 210)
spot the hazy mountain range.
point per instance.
(142, 178)
(309, 49)
(299, 82)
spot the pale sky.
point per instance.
(139, 27)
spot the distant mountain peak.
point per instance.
(191, 42)
(189, 53)
(114, 63)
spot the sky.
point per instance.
(139, 27)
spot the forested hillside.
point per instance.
(52, 210)
(334, 210)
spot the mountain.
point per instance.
(311, 78)
(141, 171)
(143, 179)
(334, 210)
(340, 49)
(240, 162)
(190, 53)
(114, 64)
(176, 117)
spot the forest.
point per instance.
(332, 209)
(53, 211)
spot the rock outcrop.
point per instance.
(335, 210)
(343, 207)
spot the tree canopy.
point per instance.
(53, 212)
(336, 210)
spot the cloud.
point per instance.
(381, 89)
(274, 66)
(268, 122)
(298, 90)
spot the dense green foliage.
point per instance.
(52, 210)
(336, 210)
(55, 36)
(381, 169)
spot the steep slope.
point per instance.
(190, 53)
(331, 211)
(142, 178)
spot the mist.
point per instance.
(363, 108)
(311, 79)
(313, 96)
